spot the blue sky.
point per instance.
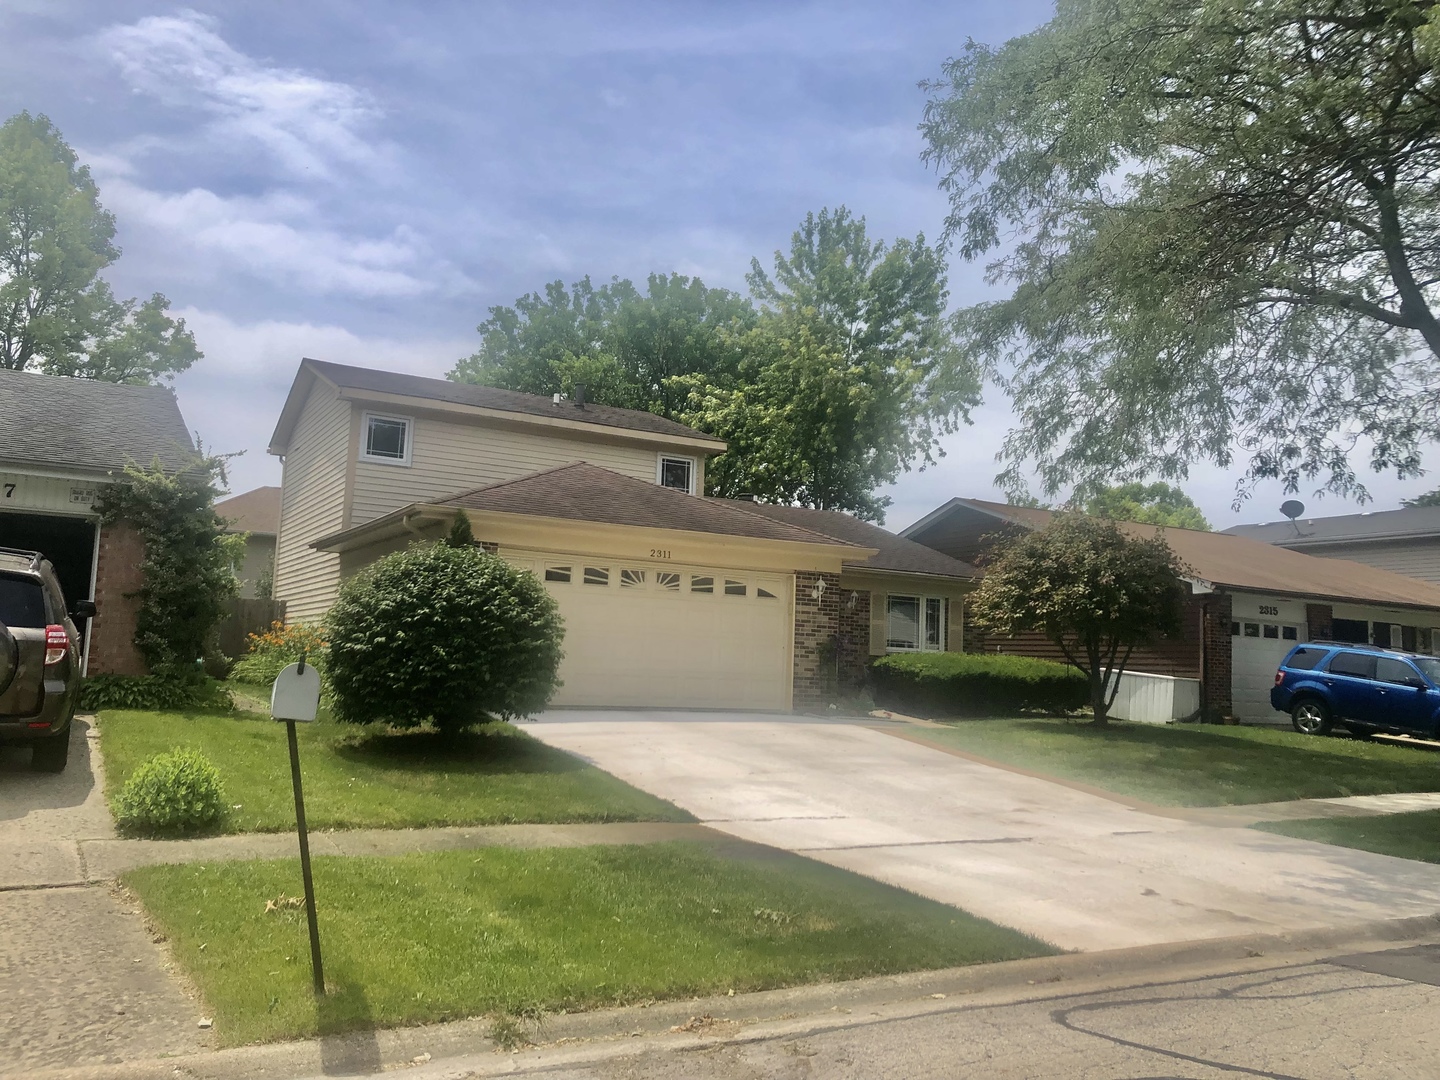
(360, 181)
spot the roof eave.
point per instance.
(889, 571)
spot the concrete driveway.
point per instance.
(1074, 869)
(82, 982)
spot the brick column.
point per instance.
(1217, 646)
(854, 629)
(117, 581)
(817, 633)
(1320, 622)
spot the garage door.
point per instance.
(1257, 647)
(686, 637)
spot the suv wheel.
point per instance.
(1311, 717)
(51, 754)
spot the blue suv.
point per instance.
(1364, 687)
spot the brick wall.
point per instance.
(854, 629)
(817, 628)
(972, 638)
(1319, 622)
(117, 578)
(1215, 685)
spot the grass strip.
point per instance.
(363, 778)
(1193, 764)
(439, 936)
(1415, 835)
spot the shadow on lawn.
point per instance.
(488, 750)
(348, 1046)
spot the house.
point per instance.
(669, 598)
(1405, 541)
(61, 441)
(255, 513)
(1250, 603)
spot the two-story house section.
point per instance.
(669, 599)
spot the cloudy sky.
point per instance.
(360, 181)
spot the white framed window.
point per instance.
(915, 624)
(676, 472)
(385, 439)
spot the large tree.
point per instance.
(1219, 224)
(57, 314)
(1096, 591)
(1154, 504)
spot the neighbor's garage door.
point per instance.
(680, 637)
(1258, 645)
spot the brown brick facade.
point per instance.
(1215, 677)
(1319, 622)
(117, 580)
(854, 629)
(817, 631)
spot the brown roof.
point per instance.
(584, 492)
(370, 380)
(1236, 562)
(896, 553)
(255, 511)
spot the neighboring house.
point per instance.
(257, 514)
(1405, 541)
(1250, 603)
(60, 442)
(669, 598)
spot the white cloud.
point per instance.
(306, 124)
(234, 395)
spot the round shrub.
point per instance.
(449, 635)
(172, 793)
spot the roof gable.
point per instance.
(83, 424)
(256, 511)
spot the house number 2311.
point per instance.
(659, 553)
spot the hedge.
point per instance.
(975, 684)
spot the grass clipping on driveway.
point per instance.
(363, 778)
(440, 936)
(1407, 836)
(1195, 764)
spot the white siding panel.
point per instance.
(447, 458)
(312, 505)
(1413, 558)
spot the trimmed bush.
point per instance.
(171, 794)
(276, 649)
(154, 692)
(447, 635)
(975, 684)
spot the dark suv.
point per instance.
(1364, 687)
(39, 658)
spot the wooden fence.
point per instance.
(245, 617)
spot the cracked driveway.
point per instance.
(1070, 867)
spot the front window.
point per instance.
(677, 473)
(386, 440)
(1430, 666)
(915, 623)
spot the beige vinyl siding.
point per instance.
(447, 458)
(312, 505)
(1413, 558)
(259, 558)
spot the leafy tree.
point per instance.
(189, 562)
(447, 635)
(623, 346)
(1092, 588)
(1430, 498)
(56, 314)
(1155, 504)
(1220, 225)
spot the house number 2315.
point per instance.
(659, 553)
(1266, 609)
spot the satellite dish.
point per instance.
(1292, 508)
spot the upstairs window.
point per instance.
(677, 473)
(385, 439)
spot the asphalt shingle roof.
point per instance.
(1412, 521)
(896, 553)
(84, 424)
(490, 397)
(256, 511)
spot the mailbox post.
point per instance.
(294, 699)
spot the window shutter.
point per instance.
(955, 631)
(877, 623)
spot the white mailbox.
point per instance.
(296, 694)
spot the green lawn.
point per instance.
(1196, 765)
(357, 778)
(439, 936)
(1406, 836)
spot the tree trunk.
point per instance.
(1099, 701)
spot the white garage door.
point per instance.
(1257, 647)
(686, 637)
